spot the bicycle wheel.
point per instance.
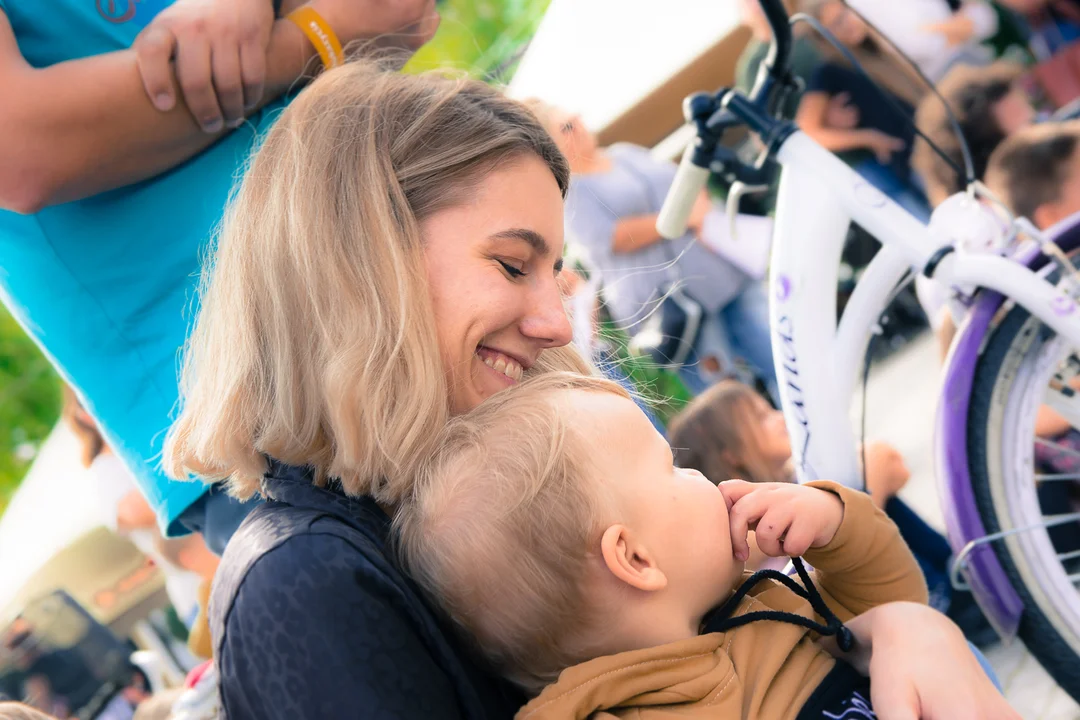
(1020, 360)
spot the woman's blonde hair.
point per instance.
(718, 434)
(316, 341)
(499, 528)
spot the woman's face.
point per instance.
(844, 24)
(492, 265)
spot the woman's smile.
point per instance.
(503, 366)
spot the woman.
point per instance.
(391, 258)
(611, 209)
(878, 145)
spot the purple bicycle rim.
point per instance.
(989, 583)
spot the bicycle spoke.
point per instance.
(1072, 555)
(1056, 477)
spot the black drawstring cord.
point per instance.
(721, 621)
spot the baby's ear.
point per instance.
(630, 561)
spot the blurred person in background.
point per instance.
(132, 121)
(805, 54)
(37, 693)
(989, 105)
(127, 513)
(730, 432)
(611, 208)
(932, 34)
(878, 143)
(1036, 173)
(1053, 23)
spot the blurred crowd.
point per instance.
(695, 305)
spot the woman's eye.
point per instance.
(512, 271)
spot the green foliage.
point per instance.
(481, 37)
(661, 388)
(29, 403)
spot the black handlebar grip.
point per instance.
(780, 50)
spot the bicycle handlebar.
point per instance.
(779, 56)
(693, 172)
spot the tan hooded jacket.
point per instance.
(765, 670)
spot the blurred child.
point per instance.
(1036, 173)
(731, 432)
(988, 105)
(554, 527)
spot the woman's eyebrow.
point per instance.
(532, 238)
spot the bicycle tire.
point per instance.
(1007, 368)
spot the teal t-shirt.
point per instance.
(107, 285)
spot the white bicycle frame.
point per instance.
(817, 359)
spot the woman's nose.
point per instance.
(547, 320)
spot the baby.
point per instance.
(554, 528)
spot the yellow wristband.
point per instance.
(320, 34)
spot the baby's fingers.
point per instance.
(771, 529)
(799, 537)
(743, 515)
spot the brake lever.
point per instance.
(735, 193)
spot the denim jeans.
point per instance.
(739, 329)
(906, 194)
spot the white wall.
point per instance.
(598, 57)
(55, 504)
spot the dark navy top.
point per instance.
(874, 110)
(311, 618)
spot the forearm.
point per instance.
(838, 140)
(87, 126)
(867, 563)
(635, 233)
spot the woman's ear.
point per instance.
(630, 561)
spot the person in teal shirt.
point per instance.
(125, 123)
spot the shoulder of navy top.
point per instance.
(311, 618)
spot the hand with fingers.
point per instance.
(882, 145)
(921, 667)
(787, 519)
(215, 51)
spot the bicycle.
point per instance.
(1013, 352)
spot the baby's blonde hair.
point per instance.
(316, 341)
(501, 525)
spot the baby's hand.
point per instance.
(788, 519)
